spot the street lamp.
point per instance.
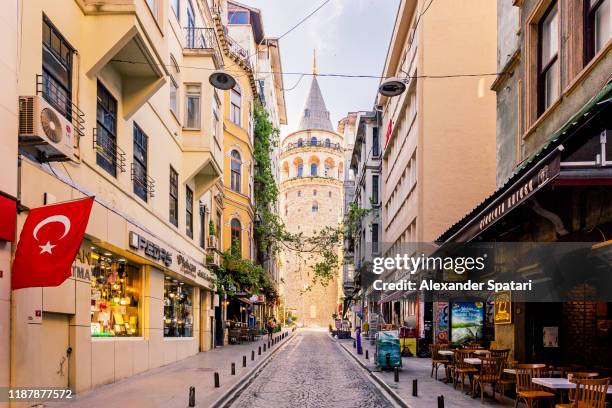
(222, 80)
(392, 87)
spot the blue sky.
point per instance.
(350, 36)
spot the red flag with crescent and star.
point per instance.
(49, 242)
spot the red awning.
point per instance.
(8, 215)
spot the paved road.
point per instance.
(311, 371)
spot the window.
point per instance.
(313, 169)
(191, 31)
(153, 7)
(173, 197)
(548, 59)
(188, 212)
(314, 192)
(116, 289)
(374, 238)
(300, 142)
(375, 188)
(236, 171)
(235, 105)
(327, 142)
(598, 26)
(106, 131)
(176, 7)
(173, 96)
(215, 110)
(57, 69)
(300, 170)
(313, 141)
(237, 17)
(203, 224)
(375, 142)
(192, 106)
(326, 170)
(299, 193)
(236, 235)
(140, 177)
(178, 308)
(315, 207)
(329, 194)
(219, 230)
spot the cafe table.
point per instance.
(510, 371)
(558, 383)
(482, 352)
(446, 352)
(473, 361)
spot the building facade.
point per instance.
(311, 190)
(553, 128)
(438, 153)
(136, 119)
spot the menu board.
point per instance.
(466, 321)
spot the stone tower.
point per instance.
(311, 193)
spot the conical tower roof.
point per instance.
(315, 115)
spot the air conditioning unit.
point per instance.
(43, 131)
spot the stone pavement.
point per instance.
(312, 372)
(428, 388)
(168, 386)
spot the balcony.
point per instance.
(240, 54)
(144, 185)
(202, 41)
(108, 155)
(319, 143)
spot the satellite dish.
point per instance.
(222, 80)
(392, 87)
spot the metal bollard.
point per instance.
(440, 401)
(217, 385)
(396, 374)
(354, 343)
(252, 355)
(268, 344)
(367, 354)
(244, 361)
(192, 396)
(233, 368)
(259, 351)
(415, 385)
(264, 347)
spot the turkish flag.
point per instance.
(389, 130)
(49, 242)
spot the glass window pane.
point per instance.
(551, 85)
(602, 29)
(550, 35)
(178, 308)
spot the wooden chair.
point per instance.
(502, 353)
(505, 378)
(462, 368)
(472, 346)
(490, 373)
(590, 393)
(527, 391)
(436, 358)
(578, 376)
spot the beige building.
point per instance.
(439, 159)
(124, 85)
(311, 191)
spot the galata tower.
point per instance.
(311, 191)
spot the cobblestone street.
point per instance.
(311, 371)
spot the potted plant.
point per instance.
(212, 235)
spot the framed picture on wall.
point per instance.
(551, 336)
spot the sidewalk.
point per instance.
(428, 388)
(168, 386)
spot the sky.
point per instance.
(350, 37)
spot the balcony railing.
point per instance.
(144, 185)
(201, 38)
(110, 154)
(319, 143)
(238, 50)
(62, 101)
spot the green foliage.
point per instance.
(211, 228)
(355, 213)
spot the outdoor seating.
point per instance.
(462, 368)
(234, 336)
(526, 390)
(503, 353)
(490, 373)
(506, 378)
(244, 335)
(436, 358)
(472, 346)
(589, 393)
(579, 376)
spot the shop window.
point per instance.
(189, 211)
(598, 27)
(548, 59)
(178, 308)
(115, 294)
(57, 69)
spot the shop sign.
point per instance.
(531, 182)
(81, 267)
(150, 249)
(186, 267)
(503, 308)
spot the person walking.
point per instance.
(270, 328)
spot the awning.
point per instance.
(531, 175)
(391, 297)
(8, 214)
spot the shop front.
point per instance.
(552, 221)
